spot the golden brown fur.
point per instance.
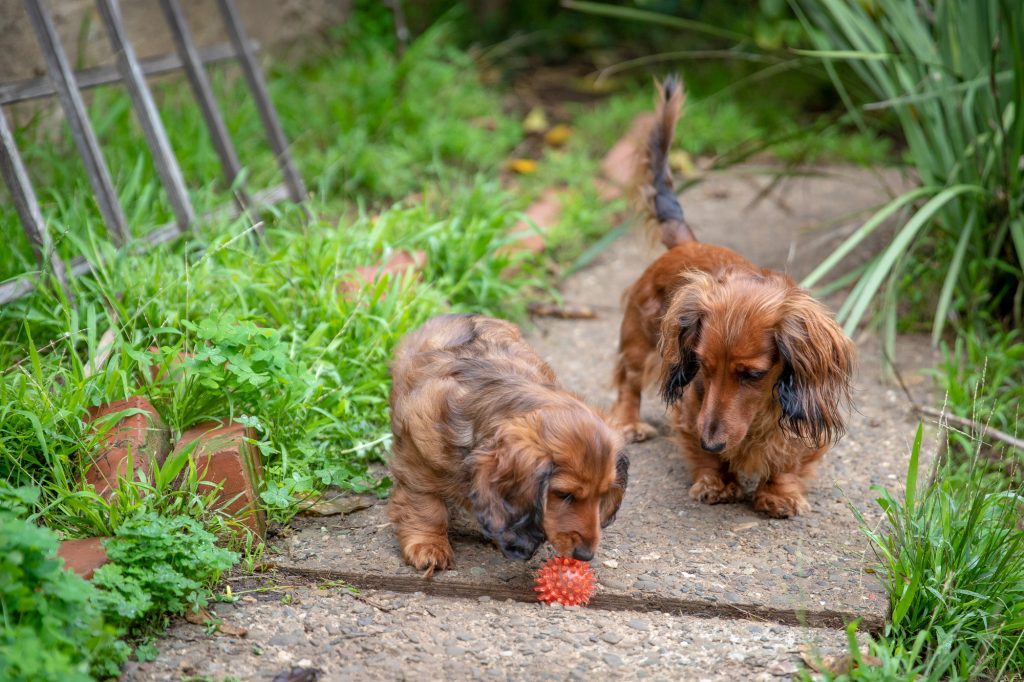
(756, 370)
(479, 420)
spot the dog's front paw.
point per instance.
(637, 432)
(713, 490)
(780, 506)
(430, 556)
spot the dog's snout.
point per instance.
(714, 448)
(582, 553)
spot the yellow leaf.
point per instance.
(679, 160)
(523, 166)
(558, 135)
(536, 121)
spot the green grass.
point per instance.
(951, 555)
(952, 76)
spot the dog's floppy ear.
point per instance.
(680, 332)
(819, 359)
(613, 499)
(510, 485)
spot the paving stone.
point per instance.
(509, 644)
(129, 447)
(668, 549)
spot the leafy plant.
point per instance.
(158, 565)
(952, 75)
(52, 627)
(952, 560)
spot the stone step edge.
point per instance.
(823, 618)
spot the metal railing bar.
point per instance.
(192, 62)
(12, 169)
(258, 87)
(147, 113)
(39, 88)
(74, 110)
(19, 288)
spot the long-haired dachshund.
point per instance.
(479, 420)
(756, 370)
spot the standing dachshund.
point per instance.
(756, 370)
(479, 420)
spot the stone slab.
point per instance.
(387, 636)
(667, 552)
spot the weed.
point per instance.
(53, 627)
(158, 565)
(952, 560)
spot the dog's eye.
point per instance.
(567, 497)
(752, 375)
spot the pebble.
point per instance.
(611, 637)
(612, 659)
(639, 624)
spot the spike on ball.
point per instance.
(569, 582)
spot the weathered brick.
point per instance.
(397, 263)
(139, 438)
(83, 556)
(224, 455)
(542, 213)
(619, 164)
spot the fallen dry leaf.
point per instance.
(836, 665)
(340, 504)
(680, 161)
(523, 166)
(567, 311)
(745, 526)
(558, 135)
(203, 617)
(536, 121)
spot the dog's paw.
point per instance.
(637, 432)
(780, 506)
(430, 556)
(713, 490)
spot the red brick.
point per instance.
(225, 455)
(543, 214)
(397, 263)
(172, 370)
(142, 438)
(619, 164)
(83, 556)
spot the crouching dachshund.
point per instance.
(479, 420)
(756, 370)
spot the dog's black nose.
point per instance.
(583, 554)
(715, 448)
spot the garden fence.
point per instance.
(66, 84)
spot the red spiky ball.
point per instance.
(569, 582)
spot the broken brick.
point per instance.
(543, 214)
(128, 448)
(619, 164)
(397, 263)
(225, 455)
(83, 556)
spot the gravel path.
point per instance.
(687, 591)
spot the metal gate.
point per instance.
(66, 85)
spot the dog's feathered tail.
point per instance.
(656, 193)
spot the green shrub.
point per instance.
(952, 75)
(52, 626)
(158, 565)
